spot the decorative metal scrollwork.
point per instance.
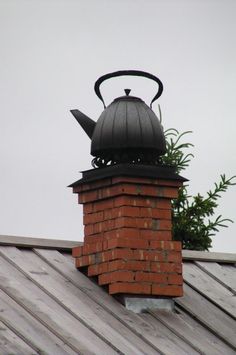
(128, 157)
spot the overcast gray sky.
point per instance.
(52, 52)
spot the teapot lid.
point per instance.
(127, 97)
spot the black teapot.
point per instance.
(127, 131)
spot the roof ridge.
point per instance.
(32, 242)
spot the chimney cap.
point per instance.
(125, 169)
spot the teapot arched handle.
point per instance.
(132, 73)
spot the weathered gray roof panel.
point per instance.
(47, 306)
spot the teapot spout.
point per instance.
(85, 122)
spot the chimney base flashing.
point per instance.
(143, 304)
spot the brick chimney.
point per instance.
(128, 242)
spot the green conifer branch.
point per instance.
(190, 213)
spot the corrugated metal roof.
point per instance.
(49, 307)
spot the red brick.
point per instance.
(165, 245)
(167, 192)
(108, 214)
(103, 205)
(101, 183)
(148, 190)
(129, 265)
(129, 222)
(88, 230)
(85, 260)
(106, 192)
(122, 211)
(93, 217)
(148, 255)
(92, 185)
(126, 200)
(161, 203)
(104, 256)
(135, 201)
(137, 189)
(128, 211)
(170, 290)
(99, 237)
(174, 256)
(97, 269)
(116, 276)
(109, 224)
(127, 243)
(145, 212)
(117, 265)
(146, 201)
(157, 244)
(92, 248)
(104, 226)
(111, 213)
(175, 279)
(76, 189)
(144, 223)
(150, 277)
(88, 208)
(113, 254)
(129, 189)
(81, 188)
(136, 233)
(177, 246)
(171, 183)
(77, 251)
(133, 288)
(98, 228)
(122, 233)
(124, 253)
(88, 196)
(161, 224)
(161, 213)
(155, 235)
(166, 267)
(157, 191)
(150, 181)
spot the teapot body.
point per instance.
(128, 131)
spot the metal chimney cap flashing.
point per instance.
(132, 170)
(144, 304)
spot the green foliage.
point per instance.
(193, 216)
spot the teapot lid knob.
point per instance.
(127, 92)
